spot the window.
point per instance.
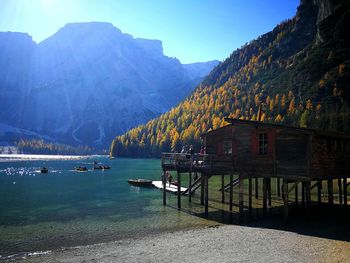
(262, 143)
(227, 147)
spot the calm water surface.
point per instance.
(40, 212)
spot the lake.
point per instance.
(63, 208)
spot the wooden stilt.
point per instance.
(256, 188)
(206, 202)
(345, 191)
(296, 194)
(340, 191)
(278, 187)
(164, 188)
(285, 199)
(330, 191)
(264, 196)
(202, 189)
(240, 198)
(222, 189)
(269, 191)
(319, 191)
(190, 187)
(303, 194)
(231, 191)
(308, 196)
(250, 193)
(178, 190)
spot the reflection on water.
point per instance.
(39, 212)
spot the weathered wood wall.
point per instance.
(330, 157)
(294, 154)
(291, 154)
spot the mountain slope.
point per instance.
(88, 82)
(298, 74)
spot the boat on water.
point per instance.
(81, 169)
(44, 170)
(102, 167)
(141, 182)
(99, 166)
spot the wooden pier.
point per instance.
(172, 188)
(298, 161)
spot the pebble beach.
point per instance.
(230, 243)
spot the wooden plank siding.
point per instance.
(292, 153)
(330, 157)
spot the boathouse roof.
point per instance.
(310, 131)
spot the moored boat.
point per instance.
(102, 167)
(44, 170)
(141, 182)
(81, 169)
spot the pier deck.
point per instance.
(172, 188)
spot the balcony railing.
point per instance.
(192, 162)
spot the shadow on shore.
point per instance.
(325, 221)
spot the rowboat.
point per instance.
(140, 182)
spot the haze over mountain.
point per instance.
(87, 83)
(298, 74)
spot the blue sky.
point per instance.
(191, 30)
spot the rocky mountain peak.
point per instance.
(88, 26)
(87, 83)
(153, 46)
(9, 39)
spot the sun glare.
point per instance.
(47, 2)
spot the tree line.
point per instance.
(42, 147)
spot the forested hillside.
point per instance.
(298, 74)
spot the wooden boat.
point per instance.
(81, 169)
(102, 167)
(141, 182)
(44, 170)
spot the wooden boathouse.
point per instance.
(252, 150)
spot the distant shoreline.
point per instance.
(34, 157)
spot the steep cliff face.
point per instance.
(332, 19)
(325, 8)
(16, 51)
(88, 82)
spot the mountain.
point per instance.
(87, 83)
(297, 74)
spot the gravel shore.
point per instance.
(230, 243)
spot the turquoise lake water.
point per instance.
(40, 212)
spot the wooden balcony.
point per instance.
(205, 163)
